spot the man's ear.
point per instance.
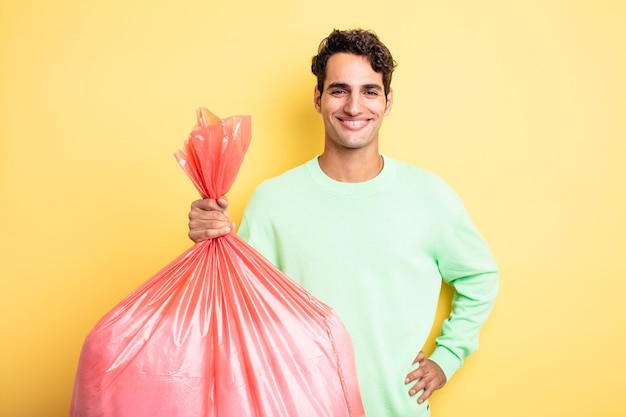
(389, 102)
(317, 99)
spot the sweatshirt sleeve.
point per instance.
(259, 232)
(466, 263)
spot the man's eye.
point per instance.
(338, 92)
(371, 93)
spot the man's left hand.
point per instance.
(429, 377)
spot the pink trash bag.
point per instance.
(219, 332)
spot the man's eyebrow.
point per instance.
(372, 87)
(338, 85)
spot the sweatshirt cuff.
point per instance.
(447, 361)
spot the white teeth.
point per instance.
(354, 123)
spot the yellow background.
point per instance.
(519, 105)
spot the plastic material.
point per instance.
(219, 331)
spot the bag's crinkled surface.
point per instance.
(219, 331)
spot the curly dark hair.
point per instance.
(357, 42)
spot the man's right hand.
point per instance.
(209, 219)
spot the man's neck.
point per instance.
(351, 166)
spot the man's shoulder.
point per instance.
(280, 185)
(408, 172)
(414, 179)
(288, 177)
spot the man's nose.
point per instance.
(353, 105)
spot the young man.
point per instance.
(320, 224)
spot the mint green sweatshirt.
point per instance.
(376, 252)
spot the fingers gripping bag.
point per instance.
(219, 331)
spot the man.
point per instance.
(320, 224)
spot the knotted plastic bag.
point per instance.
(219, 331)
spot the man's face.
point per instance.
(353, 103)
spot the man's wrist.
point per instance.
(446, 360)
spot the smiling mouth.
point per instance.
(353, 124)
